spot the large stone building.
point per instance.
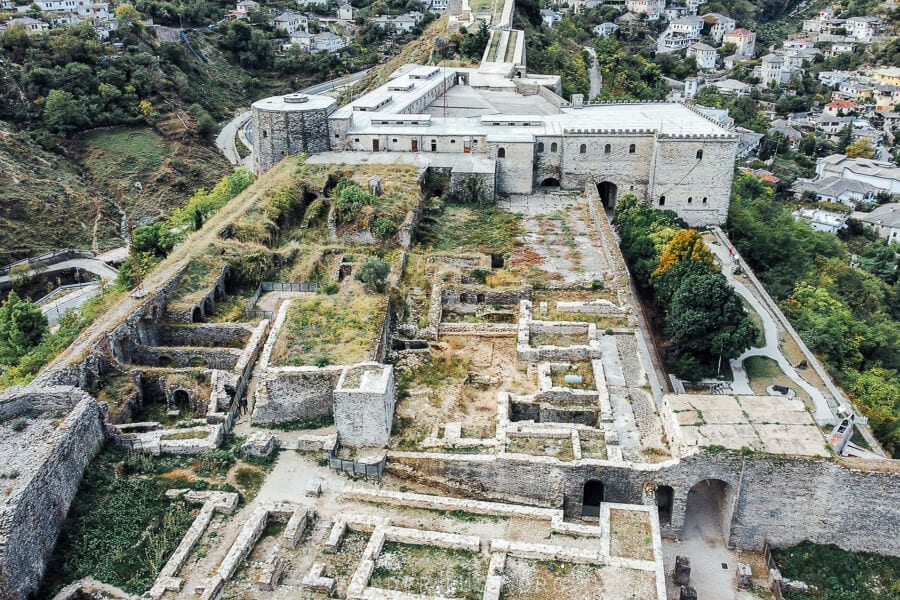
(512, 130)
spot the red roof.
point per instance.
(741, 32)
(841, 104)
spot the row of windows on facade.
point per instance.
(690, 200)
(554, 147)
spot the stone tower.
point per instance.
(291, 124)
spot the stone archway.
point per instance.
(181, 400)
(209, 307)
(665, 497)
(196, 315)
(708, 511)
(608, 192)
(592, 498)
(550, 182)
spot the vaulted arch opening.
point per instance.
(710, 504)
(608, 193)
(550, 182)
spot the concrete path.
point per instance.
(741, 385)
(56, 309)
(91, 265)
(225, 139)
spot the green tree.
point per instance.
(373, 274)
(64, 113)
(22, 326)
(706, 319)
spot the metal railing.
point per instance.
(353, 467)
(276, 286)
(46, 259)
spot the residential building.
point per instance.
(887, 98)
(732, 87)
(882, 175)
(689, 27)
(32, 26)
(399, 23)
(839, 107)
(744, 41)
(863, 28)
(822, 220)
(605, 30)
(645, 7)
(838, 48)
(798, 44)
(771, 69)
(346, 12)
(834, 78)
(887, 75)
(438, 6)
(836, 189)
(854, 88)
(884, 220)
(793, 135)
(732, 61)
(243, 9)
(825, 23)
(704, 55)
(327, 41)
(288, 22)
(550, 17)
(719, 25)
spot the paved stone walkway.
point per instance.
(741, 385)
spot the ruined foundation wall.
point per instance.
(784, 501)
(31, 519)
(296, 394)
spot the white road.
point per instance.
(225, 139)
(97, 267)
(594, 72)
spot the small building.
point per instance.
(288, 22)
(834, 78)
(887, 98)
(884, 220)
(822, 220)
(399, 23)
(243, 9)
(771, 69)
(550, 17)
(882, 175)
(734, 60)
(719, 25)
(327, 41)
(32, 26)
(645, 7)
(704, 55)
(689, 27)
(346, 12)
(837, 190)
(838, 108)
(838, 48)
(863, 28)
(605, 30)
(732, 87)
(793, 135)
(744, 41)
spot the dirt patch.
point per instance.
(560, 448)
(430, 570)
(542, 580)
(630, 535)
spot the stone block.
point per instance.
(687, 593)
(744, 576)
(316, 580)
(295, 527)
(314, 489)
(271, 574)
(260, 444)
(333, 544)
(682, 573)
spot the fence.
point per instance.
(354, 467)
(774, 584)
(276, 286)
(50, 258)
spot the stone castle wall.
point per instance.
(784, 501)
(33, 514)
(282, 133)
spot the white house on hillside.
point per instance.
(704, 55)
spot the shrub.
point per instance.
(384, 228)
(22, 326)
(330, 288)
(373, 274)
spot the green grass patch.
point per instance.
(330, 330)
(835, 574)
(760, 367)
(126, 150)
(299, 425)
(462, 227)
(121, 528)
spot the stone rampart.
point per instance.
(213, 335)
(33, 513)
(784, 501)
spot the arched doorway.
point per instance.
(592, 498)
(710, 504)
(550, 182)
(196, 315)
(664, 499)
(181, 400)
(219, 293)
(208, 307)
(608, 192)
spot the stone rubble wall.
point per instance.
(18, 401)
(212, 335)
(33, 514)
(295, 394)
(823, 498)
(214, 358)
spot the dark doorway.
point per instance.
(374, 145)
(708, 511)
(197, 315)
(593, 496)
(219, 293)
(164, 361)
(208, 307)
(664, 497)
(550, 182)
(608, 192)
(415, 145)
(434, 145)
(181, 400)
